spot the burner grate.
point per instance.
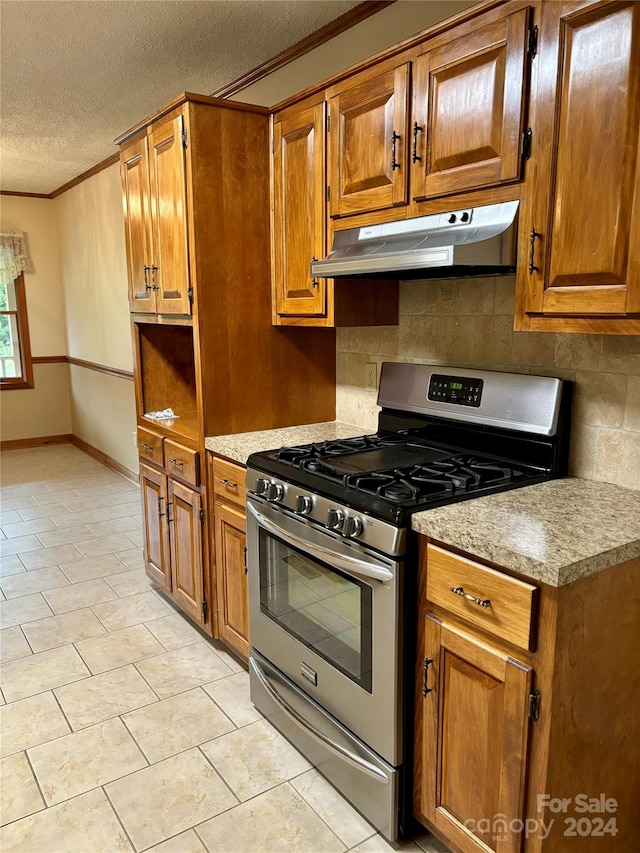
(454, 474)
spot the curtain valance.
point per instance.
(14, 257)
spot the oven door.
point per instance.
(325, 611)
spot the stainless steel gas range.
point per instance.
(332, 566)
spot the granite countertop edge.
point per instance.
(555, 532)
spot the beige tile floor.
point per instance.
(121, 726)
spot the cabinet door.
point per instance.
(582, 208)
(468, 110)
(231, 577)
(153, 491)
(299, 218)
(185, 533)
(474, 739)
(368, 150)
(167, 170)
(134, 168)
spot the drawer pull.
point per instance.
(229, 484)
(177, 462)
(481, 602)
(147, 447)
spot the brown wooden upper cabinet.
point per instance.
(299, 209)
(299, 232)
(368, 125)
(462, 130)
(154, 185)
(468, 110)
(579, 264)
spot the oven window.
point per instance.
(328, 611)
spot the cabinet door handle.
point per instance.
(147, 447)
(425, 675)
(177, 462)
(169, 519)
(160, 514)
(229, 484)
(314, 280)
(394, 138)
(481, 602)
(154, 270)
(415, 158)
(532, 239)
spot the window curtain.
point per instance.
(14, 257)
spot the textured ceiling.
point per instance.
(75, 74)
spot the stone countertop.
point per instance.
(555, 532)
(239, 446)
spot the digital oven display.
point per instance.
(455, 389)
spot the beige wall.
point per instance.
(399, 21)
(94, 272)
(77, 306)
(44, 409)
(90, 236)
(103, 414)
(468, 323)
(40, 411)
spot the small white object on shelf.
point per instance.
(165, 414)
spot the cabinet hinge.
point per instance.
(328, 193)
(246, 570)
(532, 44)
(425, 674)
(527, 136)
(205, 610)
(201, 516)
(190, 295)
(184, 138)
(328, 124)
(534, 704)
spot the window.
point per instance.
(15, 353)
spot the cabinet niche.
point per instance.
(168, 373)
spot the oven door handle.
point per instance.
(344, 753)
(341, 561)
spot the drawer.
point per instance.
(182, 462)
(228, 480)
(150, 445)
(511, 608)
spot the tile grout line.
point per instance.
(118, 818)
(37, 781)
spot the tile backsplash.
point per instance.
(468, 323)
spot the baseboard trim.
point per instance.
(107, 460)
(22, 443)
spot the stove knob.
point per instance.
(335, 519)
(353, 527)
(304, 504)
(275, 492)
(261, 486)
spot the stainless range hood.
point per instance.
(470, 241)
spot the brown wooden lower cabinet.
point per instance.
(153, 490)
(528, 746)
(185, 538)
(173, 538)
(475, 707)
(225, 480)
(231, 577)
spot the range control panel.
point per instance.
(455, 389)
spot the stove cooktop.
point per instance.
(392, 476)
